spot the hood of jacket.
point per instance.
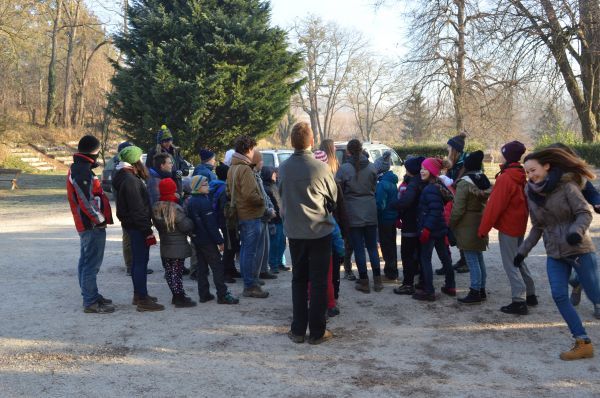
(214, 185)
(121, 176)
(238, 158)
(362, 162)
(389, 176)
(158, 174)
(515, 171)
(266, 174)
(478, 179)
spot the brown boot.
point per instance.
(377, 284)
(147, 304)
(136, 298)
(362, 285)
(581, 349)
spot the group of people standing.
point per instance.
(330, 211)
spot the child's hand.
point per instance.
(424, 237)
(221, 247)
(150, 240)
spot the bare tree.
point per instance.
(329, 54)
(72, 8)
(50, 103)
(284, 128)
(373, 93)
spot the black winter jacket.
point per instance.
(408, 205)
(133, 202)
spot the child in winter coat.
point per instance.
(209, 243)
(173, 227)
(276, 235)
(433, 229)
(507, 211)
(407, 204)
(472, 191)
(386, 193)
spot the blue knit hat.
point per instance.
(206, 155)
(413, 164)
(123, 145)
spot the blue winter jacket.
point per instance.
(591, 195)
(386, 193)
(337, 242)
(205, 170)
(218, 198)
(206, 228)
(431, 211)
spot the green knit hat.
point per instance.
(164, 134)
(130, 154)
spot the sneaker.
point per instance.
(440, 271)
(104, 300)
(284, 268)
(450, 291)
(331, 312)
(483, 294)
(576, 295)
(516, 307)
(474, 297)
(267, 275)
(295, 338)
(581, 349)
(404, 289)
(326, 336)
(228, 299)
(255, 292)
(423, 296)
(349, 275)
(146, 304)
(531, 301)
(99, 308)
(207, 297)
(136, 299)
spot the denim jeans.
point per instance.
(140, 255)
(559, 270)
(277, 247)
(92, 244)
(249, 235)
(360, 238)
(477, 271)
(426, 267)
(261, 260)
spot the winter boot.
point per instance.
(450, 291)
(483, 294)
(228, 298)
(136, 299)
(377, 283)
(182, 301)
(405, 289)
(147, 304)
(531, 300)
(516, 307)
(581, 349)
(255, 292)
(474, 297)
(362, 285)
(576, 295)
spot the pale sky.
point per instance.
(381, 27)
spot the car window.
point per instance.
(396, 159)
(283, 157)
(339, 154)
(375, 154)
(268, 159)
(110, 164)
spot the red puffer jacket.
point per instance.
(506, 209)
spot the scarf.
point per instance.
(537, 191)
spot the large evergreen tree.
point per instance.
(416, 118)
(209, 69)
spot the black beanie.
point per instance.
(458, 142)
(221, 171)
(88, 144)
(474, 161)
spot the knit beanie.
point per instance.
(123, 145)
(167, 189)
(228, 157)
(474, 161)
(130, 154)
(413, 164)
(164, 134)
(458, 142)
(433, 165)
(382, 164)
(197, 182)
(321, 155)
(221, 171)
(513, 151)
(88, 144)
(206, 155)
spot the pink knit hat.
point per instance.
(433, 165)
(321, 155)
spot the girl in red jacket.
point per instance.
(507, 211)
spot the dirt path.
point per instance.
(385, 345)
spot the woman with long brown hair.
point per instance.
(328, 146)
(560, 214)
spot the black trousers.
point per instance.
(335, 275)
(208, 255)
(348, 256)
(409, 252)
(232, 246)
(310, 263)
(387, 242)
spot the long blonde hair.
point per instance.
(328, 147)
(166, 211)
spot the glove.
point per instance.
(574, 239)
(150, 240)
(424, 237)
(518, 261)
(179, 174)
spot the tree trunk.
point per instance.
(460, 68)
(67, 93)
(590, 64)
(50, 103)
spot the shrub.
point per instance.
(430, 150)
(589, 152)
(12, 162)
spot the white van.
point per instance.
(375, 150)
(274, 157)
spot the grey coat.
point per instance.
(564, 211)
(308, 194)
(173, 244)
(359, 192)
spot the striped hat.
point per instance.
(321, 155)
(197, 182)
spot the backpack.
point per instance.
(216, 196)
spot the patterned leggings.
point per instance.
(173, 273)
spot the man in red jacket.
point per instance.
(507, 211)
(91, 212)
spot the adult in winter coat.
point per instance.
(276, 234)
(560, 214)
(358, 178)
(386, 193)
(456, 156)
(507, 211)
(472, 191)
(162, 167)
(91, 212)
(164, 144)
(135, 213)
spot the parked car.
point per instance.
(109, 168)
(375, 150)
(274, 157)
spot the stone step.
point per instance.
(45, 168)
(64, 159)
(38, 164)
(30, 159)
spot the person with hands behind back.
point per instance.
(135, 213)
(560, 214)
